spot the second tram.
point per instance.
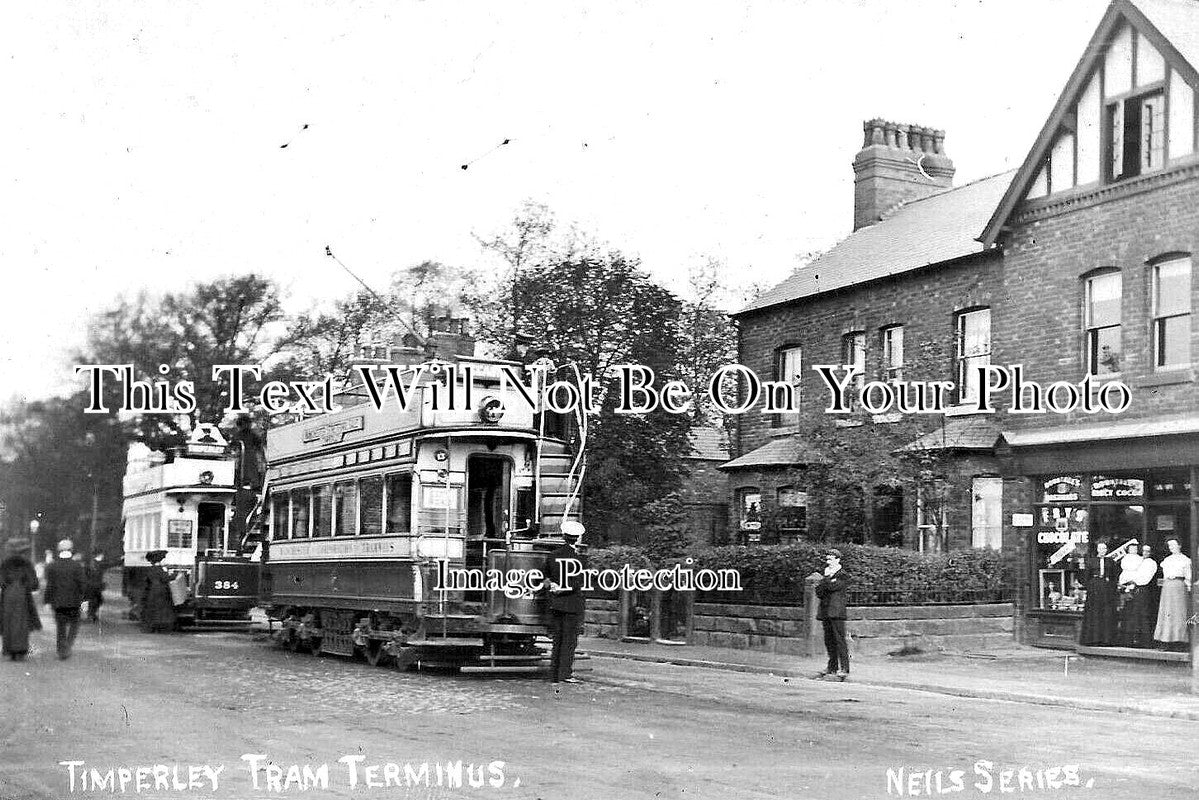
(184, 504)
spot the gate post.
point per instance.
(809, 612)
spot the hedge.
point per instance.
(774, 575)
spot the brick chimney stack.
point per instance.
(897, 162)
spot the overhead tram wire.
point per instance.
(382, 300)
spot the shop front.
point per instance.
(1108, 549)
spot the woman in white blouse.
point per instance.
(1172, 611)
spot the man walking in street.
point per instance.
(564, 568)
(831, 592)
(66, 588)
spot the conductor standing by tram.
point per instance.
(566, 601)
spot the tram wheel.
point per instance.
(375, 654)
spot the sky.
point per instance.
(144, 140)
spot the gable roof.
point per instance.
(934, 229)
(786, 451)
(1173, 28)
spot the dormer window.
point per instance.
(1136, 135)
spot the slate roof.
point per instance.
(978, 432)
(709, 442)
(783, 452)
(938, 228)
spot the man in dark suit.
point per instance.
(66, 589)
(831, 611)
(566, 601)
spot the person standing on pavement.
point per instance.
(158, 607)
(18, 613)
(95, 587)
(564, 567)
(831, 592)
(66, 588)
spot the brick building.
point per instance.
(1078, 267)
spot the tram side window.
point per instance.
(300, 508)
(322, 509)
(370, 501)
(155, 532)
(280, 519)
(345, 499)
(399, 503)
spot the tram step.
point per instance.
(529, 657)
(473, 668)
(446, 642)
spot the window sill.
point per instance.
(966, 410)
(1166, 377)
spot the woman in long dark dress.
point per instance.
(1099, 615)
(158, 609)
(18, 613)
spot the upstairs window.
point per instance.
(892, 341)
(972, 349)
(853, 354)
(1136, 135)
(1102, 320)
(788, 368)
(1172, 314)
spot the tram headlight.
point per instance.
(491, 409)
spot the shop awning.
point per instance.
(1123, 429)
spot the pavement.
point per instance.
(1017, 674)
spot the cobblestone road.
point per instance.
(631, 731)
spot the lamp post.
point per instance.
(34, 524)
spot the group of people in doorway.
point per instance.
(1124, 603)
(70, 583)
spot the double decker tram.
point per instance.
(184, 504)
(371, 510)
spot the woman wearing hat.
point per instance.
(18, 613)
(158, 609)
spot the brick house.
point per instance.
(912, 277)
(1077, 266)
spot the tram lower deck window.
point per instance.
(345, 503)
(399, 503)
(370, 504)
(322, 509)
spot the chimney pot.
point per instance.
(886, 173)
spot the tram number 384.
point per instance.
(225, 585)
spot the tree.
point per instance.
(418, 298)
(597, 311)
(65, 469)
(862, 462)
(227, 321)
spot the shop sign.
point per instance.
(1021, 520)
(1171, 488)
(1116, 488)
(1063, 537)
(1062, 489)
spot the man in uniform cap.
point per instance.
(66, 588)
(566, 601)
